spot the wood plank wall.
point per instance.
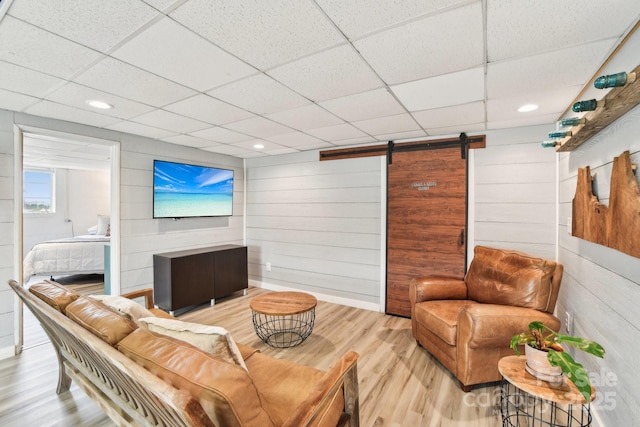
(317, 223)
(515, 192)
(601, 286)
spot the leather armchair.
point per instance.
(468, 324)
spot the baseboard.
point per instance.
(349, 302)
(7, 352)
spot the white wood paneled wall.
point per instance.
(601, 286)
(515, 192)
(318, 224)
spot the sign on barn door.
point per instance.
(426, 220)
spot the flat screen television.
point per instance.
(182, 190)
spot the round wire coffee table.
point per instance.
(283, 319)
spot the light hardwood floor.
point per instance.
(400, 383)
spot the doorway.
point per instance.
(84, 173)
(426, 219)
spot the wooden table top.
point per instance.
(283, 303)
(513, 370)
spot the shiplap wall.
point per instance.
(515, 192)
(318, 224)
(141, 235)
(601, 286)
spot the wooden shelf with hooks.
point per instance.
(616, 103)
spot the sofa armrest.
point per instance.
(436, 288)
(491, 325)
(341, 378)
(147, 293)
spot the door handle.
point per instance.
(461, 238)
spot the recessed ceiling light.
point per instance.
(99, 104)
(258, 146)
(527, 107)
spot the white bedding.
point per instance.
(74, 255)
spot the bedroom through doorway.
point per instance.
(67, 228)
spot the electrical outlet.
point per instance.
(268, 266)
(568, 322)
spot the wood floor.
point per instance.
(400, 383)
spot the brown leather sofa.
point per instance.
(140, 377)
(468, 324)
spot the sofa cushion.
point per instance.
(293, 385)
(498, 276)
(55, 295)
(212, 339)
(225, 390)
(128, 308)
(100, 320)
(441, 317)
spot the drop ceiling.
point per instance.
(295, 75)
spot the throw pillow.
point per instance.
(100, 320)
(212, 339)
(53, 294)
(130, 309)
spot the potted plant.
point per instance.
(541, 337)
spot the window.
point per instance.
(38, 191)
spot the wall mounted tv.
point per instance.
(181, 190)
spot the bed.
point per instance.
(74, 255)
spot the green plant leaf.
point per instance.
(574, 371)
(583, 344)
(520, 339)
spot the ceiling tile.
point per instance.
(442, 91)
(258, 127)
(448, 116)
(326, 75)
(34, 48)
(26, 81)
(549, 102)
(15, 101)
(190, 141)
(268, 146)
(172, 51)
(77, 96)
(355, 141)
(336, 133)
(77, 20)
(263, 33)
(71, 114)
(524, 121)
(229, 150)
(418, 49)
(571, 67)
(140, 129)
(366, 105)
(308, 117)
(260, 94)
(517, 29)
(296, 140)
(358, 17)
(383, 125)
(170, 121)
(119, 78)
(208, 109)
(220, 134)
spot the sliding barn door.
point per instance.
(426, 220)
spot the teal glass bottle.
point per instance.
(549, 144)
(588, 105)
(572, 121)
(611, 80)
(559, 134)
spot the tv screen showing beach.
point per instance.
(182, 191)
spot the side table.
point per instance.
(529, 401)
(283, 319)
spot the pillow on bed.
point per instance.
(92, 230)
(103, 224)
(128, 308)
(212, 339)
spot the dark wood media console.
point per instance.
(186, 278)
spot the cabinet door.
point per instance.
(192, 280)
(230, 271)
